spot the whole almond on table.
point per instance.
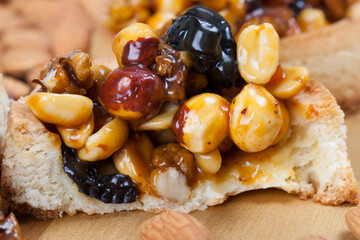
(17, 62)
(71, 31)
(175, 226)
(25, 37)
(8, 18)
(312, 238)
(352, 219)
(39, 12)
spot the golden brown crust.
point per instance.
(25, 122)
(4, 108)
(332, 55)
(316, 102)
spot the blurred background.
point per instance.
(34, 31)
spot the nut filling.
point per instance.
(156, 122)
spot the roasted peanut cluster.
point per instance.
(289, 17)
(158, 136)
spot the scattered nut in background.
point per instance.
(312, 238)
(352, 219)
(173, 225)
(34, 31)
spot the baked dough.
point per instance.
(311, 162)
(4, 109)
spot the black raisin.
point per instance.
(114, 188)
(252, 5)
(297, 6)
(207, 36)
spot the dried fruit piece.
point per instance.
(172, 67)
(207, 36)
(115, 188)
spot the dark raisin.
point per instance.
(169, 67)
(207, 36)
(297, 6)
(252, 5)
(114, 188)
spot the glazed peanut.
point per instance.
(75, 137)
(102, 144)
(258, 53)
(256, 119)
(67, 110)
(202, 122)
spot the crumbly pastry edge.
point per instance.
(315, 93)
(328, 54)
(4, 109)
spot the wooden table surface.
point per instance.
(264, 214)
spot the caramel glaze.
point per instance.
(101, 116)
(246, 167)
(9, 228)
(179, 121)
(137, 89)
(142, 51)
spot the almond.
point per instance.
(9, 18)
(18, 61)
(101, 41)
(71, 31)
(97, 9)
(39, 12)
(69, 36)
(313, 238)
(15, 87)
(352, 219)
(173, 225)
(29, 38)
